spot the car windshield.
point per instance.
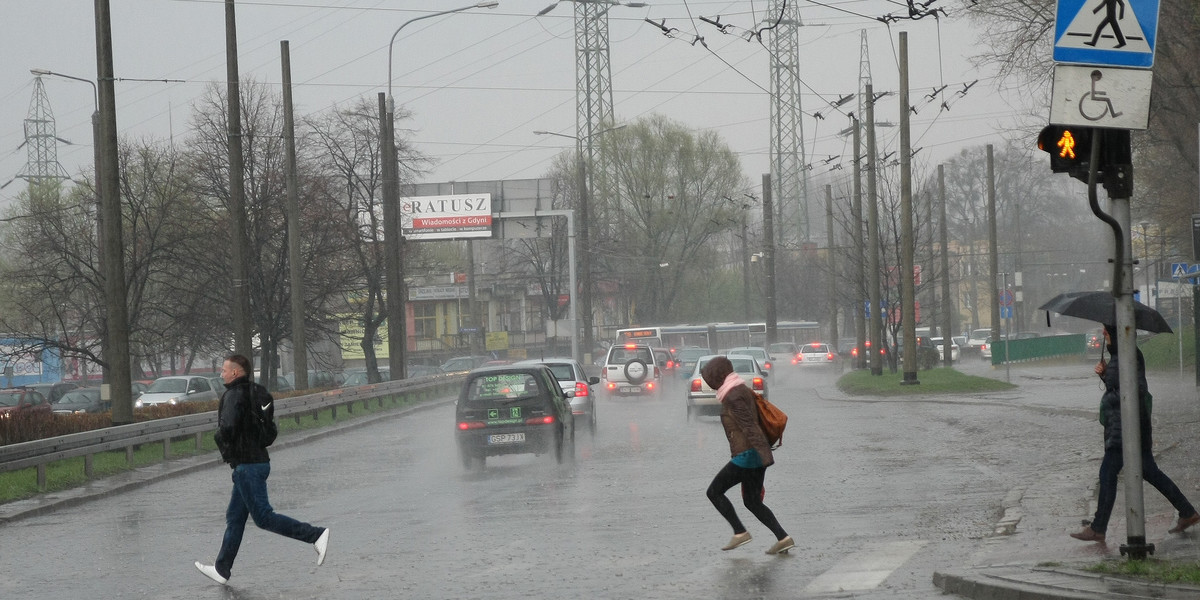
(743, 365)
(562, 371)
(755, 352)
(79, 396)
(9, 398)
(168, 386)
(502, 386)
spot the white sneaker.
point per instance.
(210, 571)
(322, 546)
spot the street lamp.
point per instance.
(393, 245)
(585, 260)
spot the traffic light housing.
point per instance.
(1070, 149)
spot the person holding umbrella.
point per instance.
(1110, 466)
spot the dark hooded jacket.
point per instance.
(237, 435)
(1110, 402)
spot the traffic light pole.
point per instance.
(1119, 183)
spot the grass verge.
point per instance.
(68, 473)
(934, 381)
(1152, 569)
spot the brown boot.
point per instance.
(1089, 535)
(1184, 523)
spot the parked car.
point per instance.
(765, 360)
(317, 378)
(463, 363)
(631, 369)
(359, 376)
(279, 384)
(846, 347)
(702, 400)
(817, 354)
(866, 349)
(785, 351)
(81, 400)
(927, 355)
(940, 345)
(52, 392)
(218, 385)
(576, 385)
(175, 389)
(421, 371)
(21, 400)
(513, 409)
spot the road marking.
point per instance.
(866, 569)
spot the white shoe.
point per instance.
(322, 546)
(738, 540)
(210, 571)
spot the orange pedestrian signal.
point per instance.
(1069, 148)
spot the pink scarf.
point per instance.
(732, 380)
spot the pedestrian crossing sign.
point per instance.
(1114, 33)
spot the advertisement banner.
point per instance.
(458, 216)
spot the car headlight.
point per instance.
(137, 404)
(172, 401)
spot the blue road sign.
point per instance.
(1006, 312)
(1113, 33)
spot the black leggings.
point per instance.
(752, 495)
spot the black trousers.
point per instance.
(752, 497)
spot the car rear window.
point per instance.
(743, 365)
(562, 372)
(624, 355)
(814, 348)
(502, 386)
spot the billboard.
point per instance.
(456, 216)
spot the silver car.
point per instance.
(175, 389)
(817, 354)
(702, 400)
(764, 358)
(577, 386)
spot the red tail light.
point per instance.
(631, 346)
(546, 420)
(612, 386)
(767, 366)
(650, 386)
(465, 425)
(757, 382)
(697, 384)
(581, 389)
(829, 356)
(854, 352)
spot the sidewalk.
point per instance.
(1037, 560)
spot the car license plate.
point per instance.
(625, 389)
(506, 438)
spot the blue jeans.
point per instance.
(249, 499)
(1110, 471)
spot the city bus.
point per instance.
(719, 336)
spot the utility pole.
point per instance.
(993, 254)
(769, 257)
(116, 341)
(745, 269)
(947, 301)
(392, 263)
(908, 317)
(239, 246)
(833, 305)
(860, 280)
(873, 241)
(295, 274)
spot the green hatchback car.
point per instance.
(513, 409)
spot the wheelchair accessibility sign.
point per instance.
(1101, 97)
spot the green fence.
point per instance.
(1038, 348)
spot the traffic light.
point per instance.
(1070, 149)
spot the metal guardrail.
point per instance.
(40, 453)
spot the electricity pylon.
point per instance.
(787, 127)
(41, 141)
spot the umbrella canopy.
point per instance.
(1101, 307)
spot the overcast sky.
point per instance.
(480, 82)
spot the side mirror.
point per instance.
(765, 374)
(593, 380)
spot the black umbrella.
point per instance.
(1101, 307)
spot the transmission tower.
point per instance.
(864, 76)
(41, 142)
(790, 181)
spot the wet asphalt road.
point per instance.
(877, 493)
